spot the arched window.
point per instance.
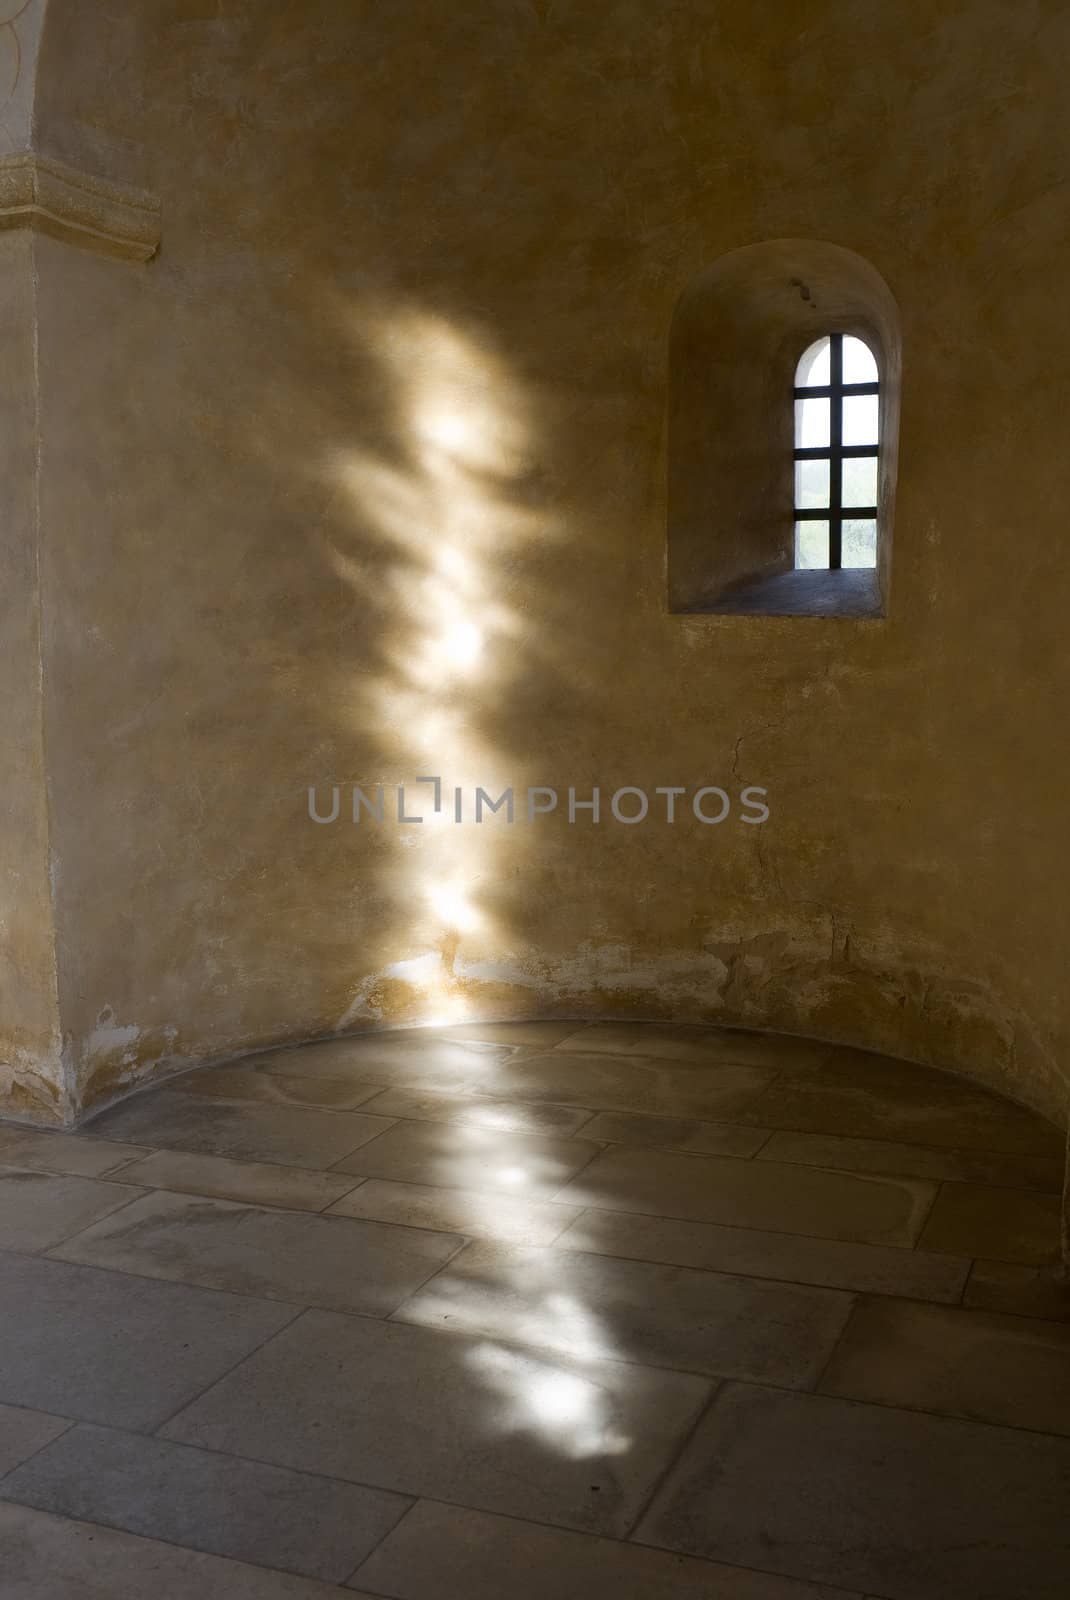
(778, 507)
(837, 440)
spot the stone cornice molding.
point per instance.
(39, 192)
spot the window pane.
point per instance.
(858, 363)
(859, 481)
(812, 424)
(859, 417)
(812, 485)
(815, 367)
(859, 547)
(812, 544)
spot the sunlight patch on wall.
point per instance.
(426, 524)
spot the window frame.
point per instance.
(836, 452)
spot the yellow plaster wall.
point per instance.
(364, 478)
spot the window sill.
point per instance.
(811, 593)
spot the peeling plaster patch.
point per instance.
(29, 1094)
(117, 1057)
(108, 1040)
(496, 972)
(370, 1003)
(418, 974)
(416, 983)
(617, 969)
(630, 978)
(402, 993)
(419, 970)
(362, 1006)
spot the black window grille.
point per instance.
(835, 452)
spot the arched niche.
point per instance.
(737, 335)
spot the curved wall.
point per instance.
(363, 479)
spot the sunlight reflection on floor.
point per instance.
(571, 1413)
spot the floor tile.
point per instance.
(516, 1035)
(1024, 1291)
(288, 1135)
(631, 1083)
(241, 1083)
(675, 1133)
(478, 1111)
(78, 1154)
(424, 1413)
(38, 1209)
(1001, 1224)
(216, 1503)
(613, 1037)
(754, 1194)
(555, 1369)
(975, 1364)
(829, 1263)
(365, 1267)
(679, 1042)
(24, 1432)
(891, 1503)
(45, 1557)
(260, 1183)
(870, 1097)
(452, 1155)
(480, 1216)
(445, 1552)
(415, 1059)
(917, 1161)
(102, 1347)
(664, 1316)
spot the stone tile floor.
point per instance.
(534, 1310)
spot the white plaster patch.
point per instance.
(361, 1008)
(611, 967)
(108, 1039)
(496, 972)
(418, 970)
(38, 1079)
(125, 1045)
